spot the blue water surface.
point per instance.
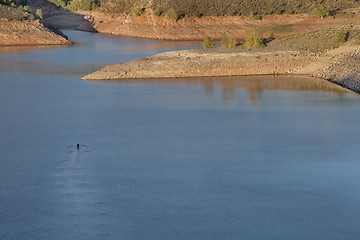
(214, 158)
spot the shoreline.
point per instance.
(30, 33)
(338, 66)
(39, 45)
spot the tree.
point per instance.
(208, 42)
(31, 17)
(39, 14)
(93, 6)
(86, 5)
(228, 41)
(27, 9)
(254, 39)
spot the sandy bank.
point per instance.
(217, 62)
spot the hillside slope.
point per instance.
(227, 7)
(17, 28)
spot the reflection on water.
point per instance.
(166, 45)
(26, 49)
(90, 53)
(254, 85)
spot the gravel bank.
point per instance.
(345, 71)
(202, 63)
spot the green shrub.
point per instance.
(93, 6)
(157, 13)
(172, 14)
(136, 11)
(19, 16)
(254, 39)
(228, 41)
(208, 42)
(197, 14)
(257, 17)
(321, 11)
(279, 11)
(224, 40)
(31, 17)
(227, 7)
(39, 14)
(358, 40)
(27, 9)
(59, 3)
(11, 13)
(73, 6)
(86, 5)
(351, 14)
(341, 37)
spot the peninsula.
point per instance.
(297, 54)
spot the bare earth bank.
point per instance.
(340, 66)
(194, 28)
(28, 33)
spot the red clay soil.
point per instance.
(191, 28)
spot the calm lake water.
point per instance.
(213, 159)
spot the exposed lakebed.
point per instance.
(208, 158)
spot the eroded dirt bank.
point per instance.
(340, 65)
(192, 28)
(28, 33)
(185, 29)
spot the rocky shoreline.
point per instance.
(339, 65)
(345, 71)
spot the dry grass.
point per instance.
(318, 41)
(12, 13)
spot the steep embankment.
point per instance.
(28, 32)
(226, 7)
(194, 28)
(17, 28)
(345, 70)
(191, 28)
